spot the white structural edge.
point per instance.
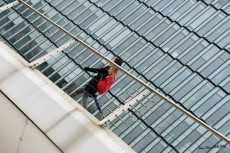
(13, 123)
(215, 132)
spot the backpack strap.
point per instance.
(111, 76)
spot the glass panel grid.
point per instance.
(191, 67)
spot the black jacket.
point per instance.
(91, 87)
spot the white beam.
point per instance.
(8, 6)
(119, 111)
(44, 58)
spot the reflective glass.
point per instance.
(212, 23)
(219, 30)
(207, 105)
(179, 79)
(178, 47)
(157, 30)
(192, 14)
(186, 88)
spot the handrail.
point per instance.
(215, 132)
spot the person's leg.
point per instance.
(98, 104)
(78, 91)
(85, 99)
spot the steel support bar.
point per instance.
(123, 108)
(44, 58)
(215, 132)
(3, 8)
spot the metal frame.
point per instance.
(119, 111)
(170, 101)
(8, 6)
(44, 58)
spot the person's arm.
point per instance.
(95, 70)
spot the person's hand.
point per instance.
(84, 68)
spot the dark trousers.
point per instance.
(85, 98)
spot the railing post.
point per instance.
(120, 110)
(3, 8)
(44, 58)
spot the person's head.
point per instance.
(113, 70)
(118, 61)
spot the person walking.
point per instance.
(90, 89)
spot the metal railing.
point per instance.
(8, 6)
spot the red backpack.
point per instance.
(104, 85)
